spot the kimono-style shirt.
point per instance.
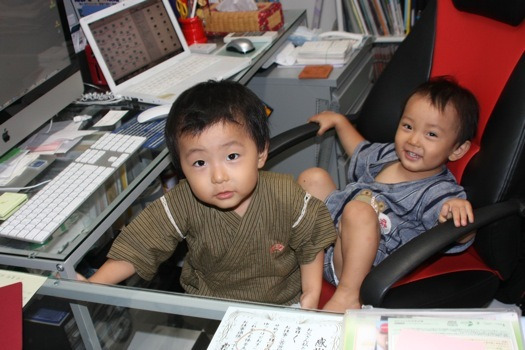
(256, 257)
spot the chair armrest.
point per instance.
(292, 137)
(411, 255)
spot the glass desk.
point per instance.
(128, 318)
(125, 318)
(106, 211)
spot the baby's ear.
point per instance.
(460, 151)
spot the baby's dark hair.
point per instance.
(212, 102)
(445, 91)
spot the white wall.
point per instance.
(328, 14)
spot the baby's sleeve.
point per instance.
(432, 208)
(433, 201)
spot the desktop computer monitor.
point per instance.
(38, 67)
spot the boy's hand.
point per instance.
(309, 301)
(460, 210)
(81, 278)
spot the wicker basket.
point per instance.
(269, 16)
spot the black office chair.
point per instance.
(481, 43)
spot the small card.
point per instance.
(316, 71)
(111, 118)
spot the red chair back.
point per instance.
(481, 58)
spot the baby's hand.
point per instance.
(326, 120)
(458, 209)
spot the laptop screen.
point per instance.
(135, 39)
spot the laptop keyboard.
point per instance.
(176, 74)
(52, 205)
(152, 130)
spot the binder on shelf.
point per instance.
(360, 17)
(408, 16)
(382, 18)
(369, 17)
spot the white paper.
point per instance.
(254, 329)
(236, 5)
(111, 118)
(30, 283)
(287, 55)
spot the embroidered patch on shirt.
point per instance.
(384, 223)
(277, 247)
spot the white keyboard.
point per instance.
(185, 69)
(52, 205)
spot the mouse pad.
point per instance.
(259, 48)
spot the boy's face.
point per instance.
(221, 165)
(427, 138)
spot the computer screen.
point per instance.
(38, 66)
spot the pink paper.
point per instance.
(409, 339)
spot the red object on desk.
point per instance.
(11, 316)
(97, 77)
(193, 30)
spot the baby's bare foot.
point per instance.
(340, 305)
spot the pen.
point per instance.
(193, 8)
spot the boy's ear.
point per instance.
(263, 156)
(460, 151)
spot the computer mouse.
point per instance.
(154, 113)
(241, 45)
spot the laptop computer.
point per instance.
(143, 54)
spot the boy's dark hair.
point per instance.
(445, 91)
(212, 102)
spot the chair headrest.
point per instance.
(508, 11)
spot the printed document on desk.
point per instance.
(143, 54)
(279, 328)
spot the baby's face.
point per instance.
(426, 138)
(221, 165)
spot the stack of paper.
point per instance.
(473, 329)
(325, 52)
(277, 328)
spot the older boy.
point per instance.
(251, 235)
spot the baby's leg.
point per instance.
(354, 254)
(317, 182)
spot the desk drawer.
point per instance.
(349, 96)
